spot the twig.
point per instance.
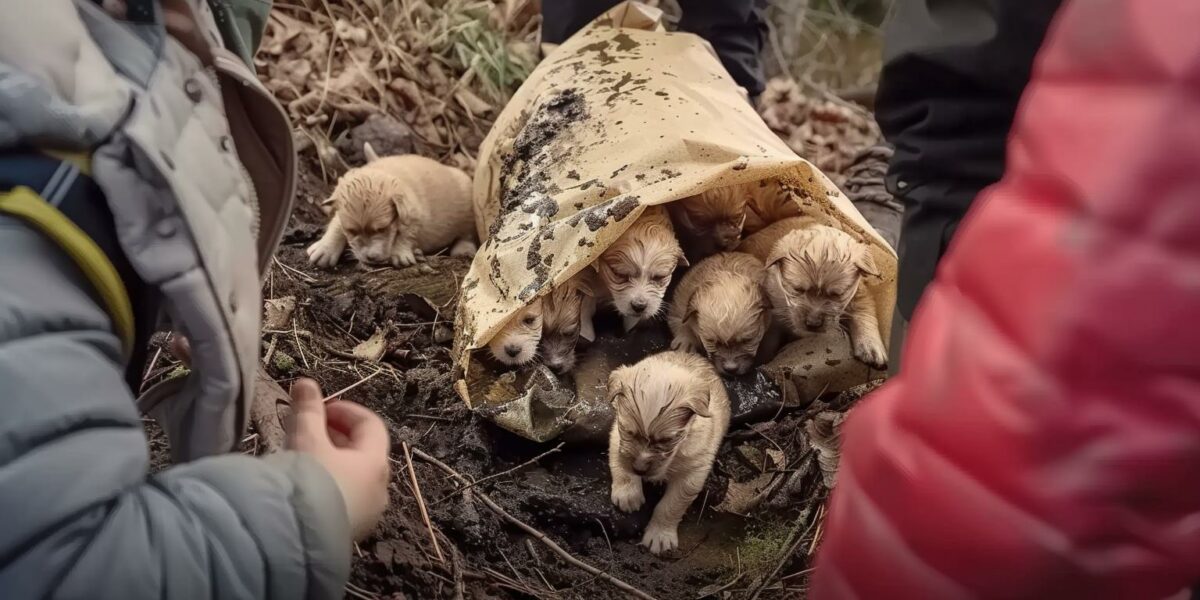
(351, 386)
(298, 346)
(543, 538)
(358, 592)
(412, 474)
(497, 475)
(717, 591)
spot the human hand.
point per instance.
(351, 442)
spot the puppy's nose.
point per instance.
(512, 350)
(638, 306)
(731, 367)
(640, 469)
(814, 323)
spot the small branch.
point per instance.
(498, 475)
(412, 474)
(352, 386)
(541, 537)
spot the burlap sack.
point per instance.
(622, 116)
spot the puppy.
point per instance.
(396, 209)
(671, 415)
(636, 269)
(720, 308)
(814, 276)
(768, 202)
(710, 221)
(566, 317)
(516, 344)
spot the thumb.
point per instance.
(308, 415)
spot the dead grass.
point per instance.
(444, 67)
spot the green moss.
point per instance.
(283, 362)
(762, 547)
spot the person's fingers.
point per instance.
(363, 428)
(180, 348)
(308, 412)
(339, 439)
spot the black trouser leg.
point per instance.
(737, 29)
(953, 73)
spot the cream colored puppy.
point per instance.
(671, 415)
(720, 308)
(516, 344)
(636, 269)
(710, 221)
(814, 278)
(768, 203)
(396, 209)
(566, 318)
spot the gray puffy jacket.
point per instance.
(80, 515)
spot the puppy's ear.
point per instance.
(774, 260)
(690, 314)
(369, 152)
(683, 261)
(865, 262)
(695, 404)
(587, 311)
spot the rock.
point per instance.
(442, 334)
(387, 135)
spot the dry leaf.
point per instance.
(278, 312)
(472, 103)
(373, 348)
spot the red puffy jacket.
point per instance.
(1043, 438)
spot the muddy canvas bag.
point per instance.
(622, 116)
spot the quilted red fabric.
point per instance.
(1043, 439)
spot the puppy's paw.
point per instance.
(660, 539)
(324, 253)
(628, 497)
(682, 344)
(404, 257)
(463, 249)
(871, 352)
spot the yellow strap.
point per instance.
(25, 203)
(81, 160)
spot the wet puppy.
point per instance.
(636, 269)
(396, 209)
(720, 308)
(769, 202)
(710, 221)
(671, 414)
(516, 344)
(566, 318)
(814, 277)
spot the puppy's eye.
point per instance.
(351, 231)
(529, 320)
(659, 279)
(620, 278)
(801, 289)
(571, 330)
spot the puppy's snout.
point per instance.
(639, 305)
(512, 350)
(814, 322)
(641, 464)
(731, 366)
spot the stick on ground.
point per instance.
(498, 475)
(412, 474)
(541, 537)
